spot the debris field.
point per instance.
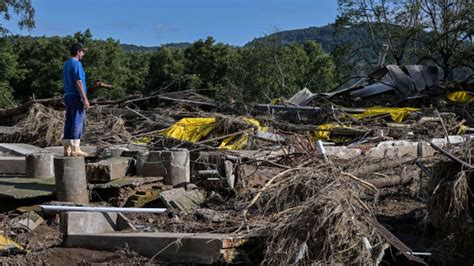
(377, 173)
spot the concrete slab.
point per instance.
(59, 150)
(26, 188)
(107, 170)
(19, 149)
(394, 149)
(12, 165)
(88, 222)
(181, 199)
(126, 182)
(203, 248)
(342, 152)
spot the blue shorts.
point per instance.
(75, 117)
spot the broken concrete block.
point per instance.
(142, 197)
(107, 170)
(12, 165)
(73, 223)
(453, 139)
(29, 221)
(394, 149)
(173, 165)
(87, 222)
(39, 165)
(342, 152)
(181, 199)
(19, 149)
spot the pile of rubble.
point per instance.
(378, 172)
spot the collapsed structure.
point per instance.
(377, 172)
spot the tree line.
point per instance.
(32, 68)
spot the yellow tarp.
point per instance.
(240, 142)
(6, 243)
(190, 129)
(460, 96)
(142, 140)
(397, 114)
(323, 132)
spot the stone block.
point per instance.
(12, 165)
(40, 165)
(88, 222)
(29, 220)
(107, 170)
(192, 248)
(181, 199)
(173, 165)
(19, 149)
(342, 152)
(453, 139)
(394, 149)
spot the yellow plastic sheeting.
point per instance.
(460, 96)
(240, 142)
(462, 130)
(397, 114)
(142, 140)
(6, 243)
(190, 129)
(254, 122)
(323, 132)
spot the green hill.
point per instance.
(139, 48)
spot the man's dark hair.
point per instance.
(76, 47)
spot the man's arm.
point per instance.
(80, 89)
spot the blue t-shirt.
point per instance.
(73, 71)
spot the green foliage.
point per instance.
(22, 8)
(166, 71)
(106, 61)
(33, 66)
(208, 63)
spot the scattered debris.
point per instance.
(333, 178)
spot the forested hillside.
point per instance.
(32, 67)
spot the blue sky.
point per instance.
(155, 22)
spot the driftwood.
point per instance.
(161, 98)
(22, 109)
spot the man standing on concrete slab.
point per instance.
(75, 98)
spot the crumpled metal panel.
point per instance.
(386, 84)
(421, 73)
(402, 81)
(416, 74)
